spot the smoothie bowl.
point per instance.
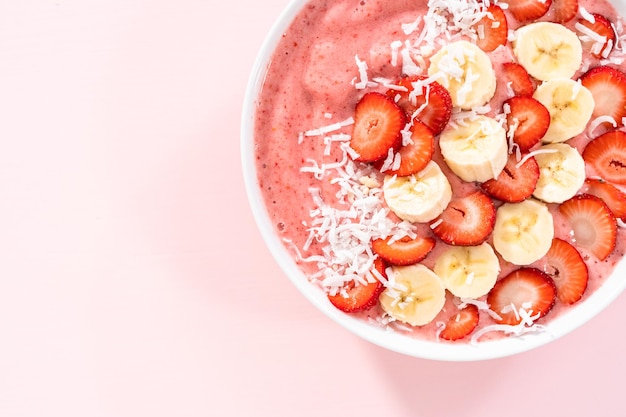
(445, 179)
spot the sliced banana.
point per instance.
(561, 172)
(466, 72)
(476, 150)
(468, 271)
(570, 105)
(523, 232)
(548, 50)
(416, 296)
(420, 197)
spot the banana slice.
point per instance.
(468, 271)
(466, 72)
(523, 232)
(570, 105)
(548, 50)
(419, 197)
(416, 297)
(561, 172)
(476, 150)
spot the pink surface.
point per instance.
(133, 281)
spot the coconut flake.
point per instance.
(595, 123)
(586, 15)
(533, 153)
(363, 79)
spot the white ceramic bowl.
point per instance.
(394, 341)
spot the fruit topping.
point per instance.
(414, 155)
(570, 106)
(356, 296)
(525, 10)
(608, 88)
(567, 269)
(416, 297)
(606, 155)
(466, 72)
(564, 10)
(476, 150)
(548, 50)
(524, 295)
(561, 172)
(518, 78)
(598, 35)
(404, 251)
(461, 324)
(419, 197)
(467, 220)
(378, 123)
(610, 194)
(592, 223)
(468, 271)
(516, 182)
(492, 29)
(523, 231)
(424, 100)
(527, 119)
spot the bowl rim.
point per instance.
(556, 328)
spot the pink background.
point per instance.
(133, 280)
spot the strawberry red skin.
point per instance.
(405, 251)
(436, 114)
(360, 297)
(608, 88)
(461, 324)
(514, 184)
(493, 36)
(603, 27)
(523, 285)
(521, 83)
(564, 10)
(415, 156)
(378, 122)
(610, 194)
(531, 118)
(606, 155)
(467, 220)
(588, 216)
(567, 269)
(526, 10)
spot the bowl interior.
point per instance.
(556, 328)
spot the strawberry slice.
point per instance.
(606, 154)
(602, 27)
(467, 220)
(356, 297)
(525, 10)
(378, 123)
(593, 225)
(516, 182)
(430, 103)
(610, 194)
(416, 155)
(492, 29)
(608, 88)
(461, 324)
(529, 118)
(524, 292)
(567, 269)
(564, 10)
(517, 76)
(405, 251)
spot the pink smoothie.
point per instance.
(316, 77)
